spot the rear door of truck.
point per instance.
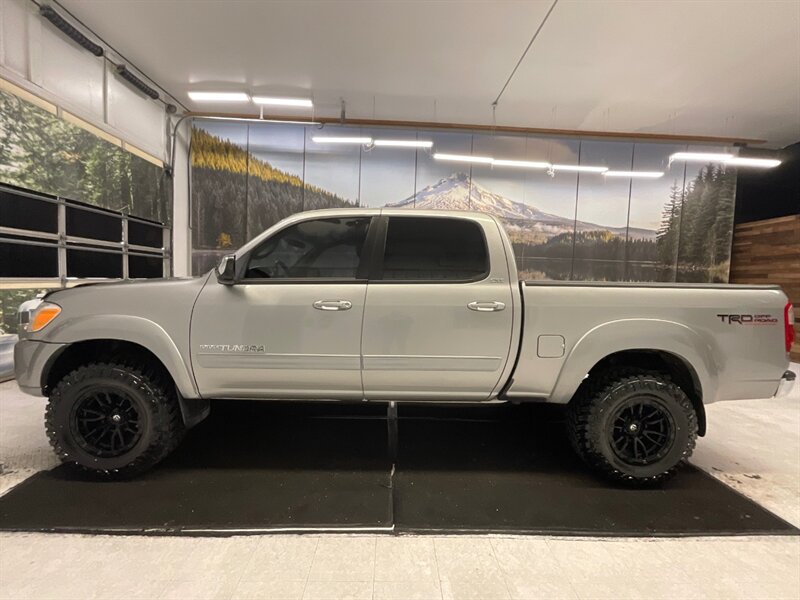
(439, 311)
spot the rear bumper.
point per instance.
(786, 384)
(31, 358)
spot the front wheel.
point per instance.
(633, 428)
(113, 419)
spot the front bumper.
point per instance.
(31, 359)
(786, 384)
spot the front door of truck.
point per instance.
(290, 327)
(439, 315)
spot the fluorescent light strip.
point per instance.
(404, 143)
(219, 96)
(525, 164)
(275, 101)
(701, 156)
(580, 168)
(342, 140)
(645, 174)
(464, 158)
(744, 161)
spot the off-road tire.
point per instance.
(597, 401)
(155, 399)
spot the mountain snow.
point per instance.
(456, 193)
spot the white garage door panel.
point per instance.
(70, 72)
(13, 35)
(137, 117)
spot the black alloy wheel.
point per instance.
(642, 431)
(106, 423)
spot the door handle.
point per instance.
(333, 305)
(486, 306)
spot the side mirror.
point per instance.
(226, 270)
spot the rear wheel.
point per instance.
(633, 427)
(113, 419)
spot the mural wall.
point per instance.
(40, 151)
(564, 225)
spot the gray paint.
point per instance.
(417, 341)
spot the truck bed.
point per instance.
(569, 326)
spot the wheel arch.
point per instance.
(671, 347)
(76, 354)
(679, 370)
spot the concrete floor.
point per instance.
(754, 446)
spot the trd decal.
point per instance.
(231, 349)
(748, 319)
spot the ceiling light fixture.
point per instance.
(275, 101)
(645, 174)
(700, 156)
(525, 164)
(744, 161)
(341, 140)
(219, 96)
(404, 143)
(580, 168)
(464, 158)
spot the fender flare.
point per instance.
(137, 330)
(628, 334)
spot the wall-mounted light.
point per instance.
(219, 96)
(580, 168)
(744, 161)
(140, 85)
(464, 158)
(643, 174)
(276, 101)
(523, 164)
(65, 27)
(700, 156)
(404, 143)
(341, 140)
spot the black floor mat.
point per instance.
(267, 466)
(248, 466)
(519, 475)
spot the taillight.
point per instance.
(788, 322)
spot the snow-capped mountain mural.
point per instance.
(457, 193)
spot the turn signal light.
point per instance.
(44, 314)
(788, 322)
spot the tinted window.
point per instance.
(311, 249)
(434, 249)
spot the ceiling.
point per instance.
(727, 68)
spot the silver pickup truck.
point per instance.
(397, 305)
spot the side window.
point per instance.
(434, 249)
(312, 249)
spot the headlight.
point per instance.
(44, 314)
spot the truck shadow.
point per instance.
(283, 435)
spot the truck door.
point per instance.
(439, 310)
(290, 327)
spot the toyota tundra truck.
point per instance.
(397, 305)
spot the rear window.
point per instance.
(434, 249)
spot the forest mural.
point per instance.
(247, 177)
(42, 152)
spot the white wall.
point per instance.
(181, 221)
(40, 58)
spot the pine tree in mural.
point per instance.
(240, 195)
(38, 150)
(697, 225)
(667, 236)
